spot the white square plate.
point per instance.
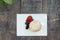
(21, 31)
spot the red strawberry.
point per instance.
(29, 19)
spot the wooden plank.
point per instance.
(30, 38)
(31, 6)
(54, 35)
(53, 20)
(8, 21)
(45, 6)
(3, 26)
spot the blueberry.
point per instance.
(27, 25)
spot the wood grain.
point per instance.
(8, 18)
(31, 6)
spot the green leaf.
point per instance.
(1, 3)
(8, 1)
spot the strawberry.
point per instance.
(29, 19)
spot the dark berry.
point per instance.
(27, 25)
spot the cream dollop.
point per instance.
(35, 26)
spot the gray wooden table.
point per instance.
(8, 18)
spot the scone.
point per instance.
(35, 26)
